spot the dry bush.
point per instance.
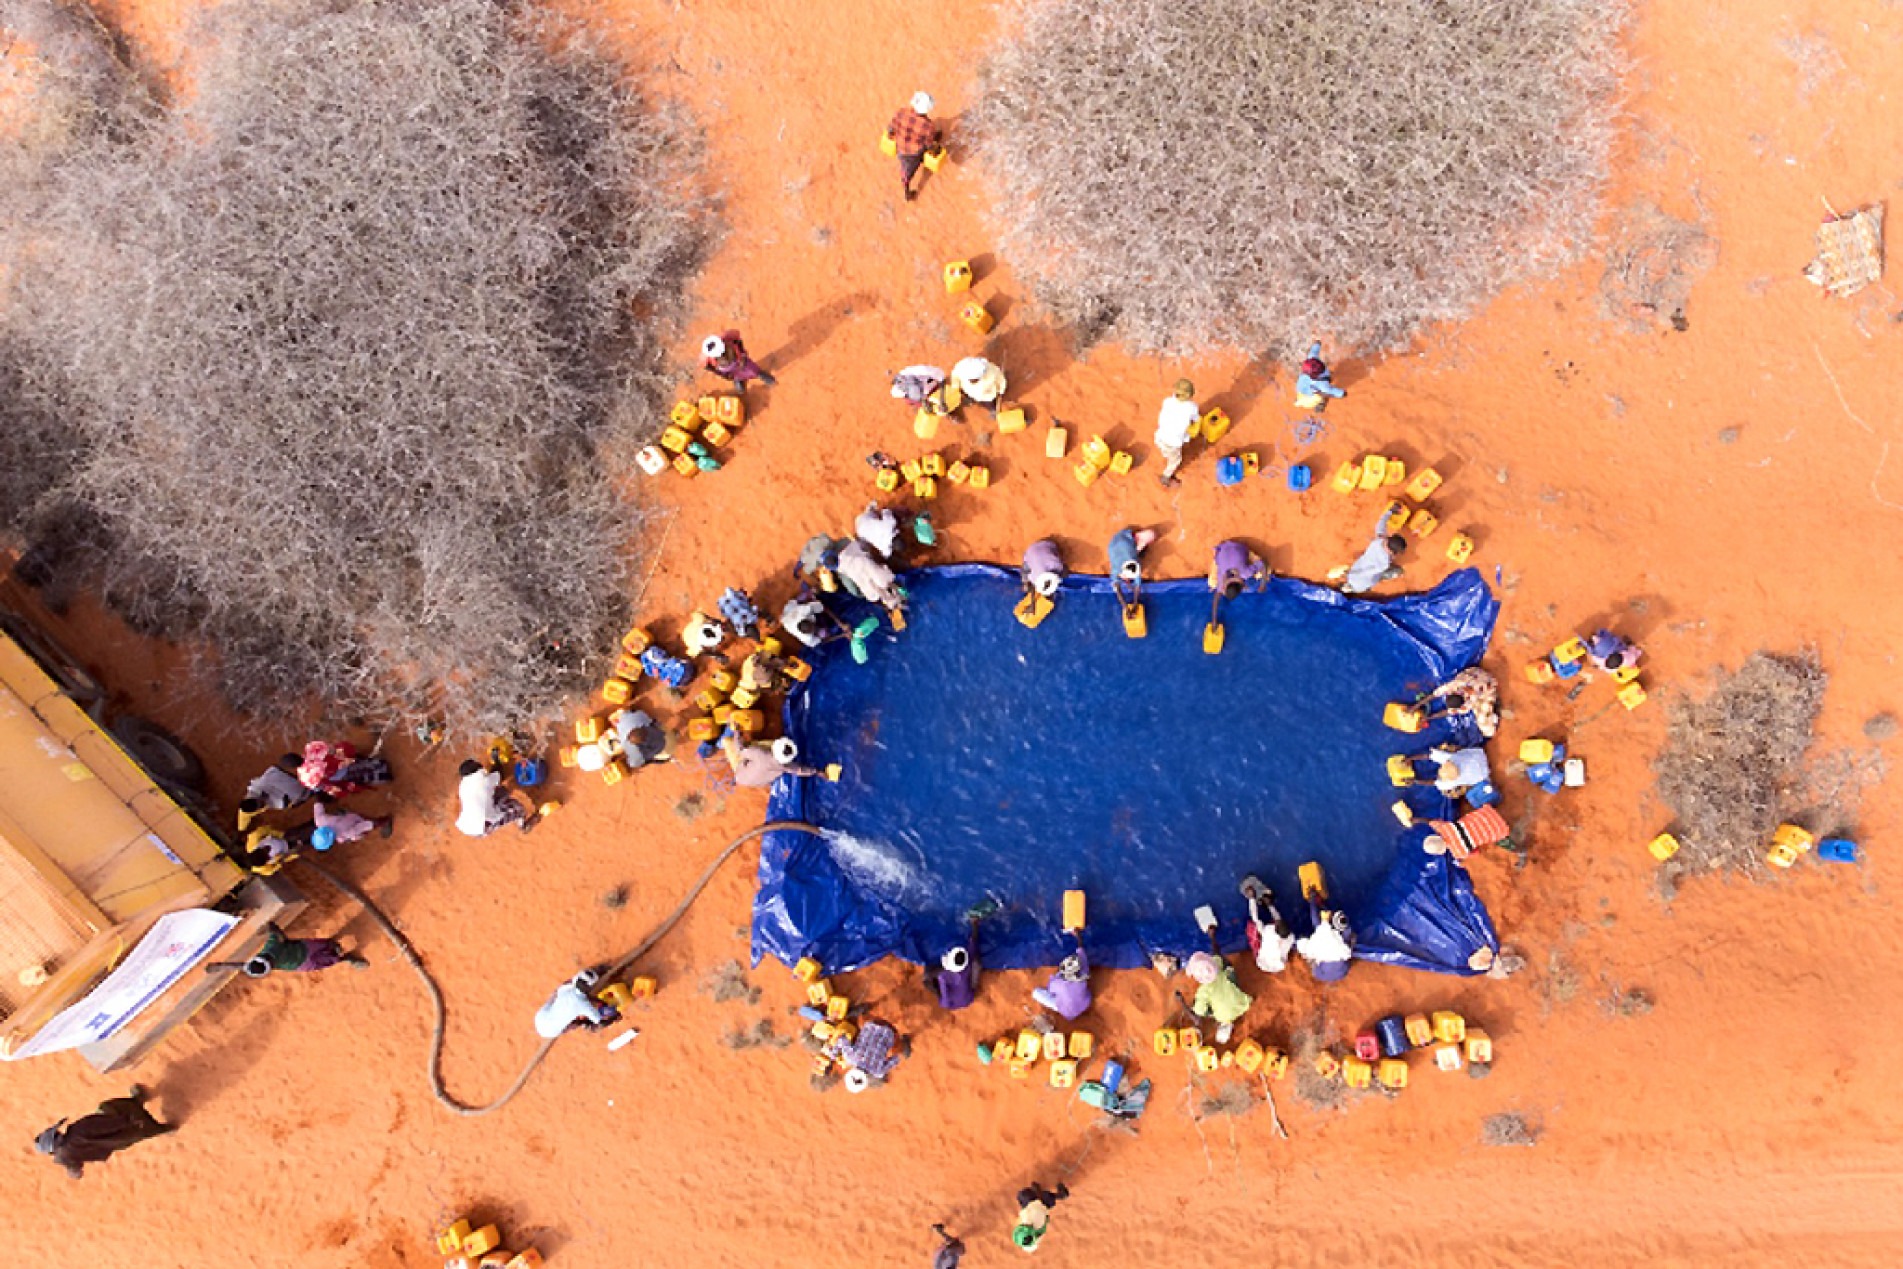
(1733, 762)
(1508, 1129)
(1182, 173)
(354, 340)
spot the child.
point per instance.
(1043, 570)
(1234, 567)
(1269, 935)
(1068, 991)
(343, 825)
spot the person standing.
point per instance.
(950, 1250)
(282, 953)
(726, 355)
(913, 133)
(1313, 386)
(1175, 423)
(1034, 1214)
(120, 1122)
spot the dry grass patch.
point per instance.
(1183, 173)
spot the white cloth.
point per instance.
(1325, 944)
(979, 379)
(878, 528)
(1470, 768)
(873, 580)
(564, 1009)
(477, 793)
(1174, 421)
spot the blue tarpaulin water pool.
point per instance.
(984, 758)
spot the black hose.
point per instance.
(441, 1009)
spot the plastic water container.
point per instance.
(1482, 794)
(1229, 471)
(1300, 478)
(530, 772)
(1112, 1077)
(1838, 850)
(1567, 669)
(1392, 1033)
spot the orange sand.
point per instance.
(1751, 1115)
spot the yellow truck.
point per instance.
(116, 884)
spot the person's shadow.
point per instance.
(812, 330)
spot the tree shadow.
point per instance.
(1030, 354)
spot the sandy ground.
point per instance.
(1719, 489)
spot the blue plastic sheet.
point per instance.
(981, 758)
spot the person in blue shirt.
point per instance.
(1314, 386)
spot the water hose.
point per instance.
(440, 1008)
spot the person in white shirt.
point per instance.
(1174, 423)
(484, 807)
(878, 528)
(1459, 769)
(1269, 935)
(980, 381)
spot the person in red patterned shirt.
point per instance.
(913, 132)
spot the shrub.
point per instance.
(352, 339)
(1184, 173)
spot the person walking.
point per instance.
(1034, 1214)
(1175, 423)
(950, 1250)
(913, 133)
(282, 953)
(119, 1123)
(1313, 386)
(726, 355)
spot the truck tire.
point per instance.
(164, 756)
